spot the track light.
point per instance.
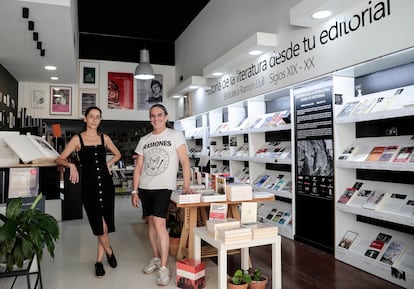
(25, 12)
(31, 25)
(42, 52)
(35, 36)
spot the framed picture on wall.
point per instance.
(38, 99)
(61, 100)
(120, 90)
(149, 92)
(88, 98)
(89, 75)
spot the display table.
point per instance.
(201, 233)
(190, 222)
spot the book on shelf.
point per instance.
(393, 253)
(347, 240)
(261, 180)
(276, 218)
(221, 185)
(346, 154)
(360, 198)
(262, 195)
(404, 154)
(407, 209)
(244, 124)
(218, 211)
(239, 192)
(267, 118)
(348, 108)
(375, 154)
(374, 201)
(179, 197)
(346, 195)
(273, 180)
(257, 122)
(248, 212)
(389, 153)
(281, 183)
(377, 245)
(285, 219)
(386, 103)
(210, 195)
(360, 153)
(393, 203)
(365, 106)
(32, 149)
(23, 182)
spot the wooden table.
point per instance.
(191, 218)
(201, 233)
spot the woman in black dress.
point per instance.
(98, 191)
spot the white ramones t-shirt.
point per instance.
(160, 159)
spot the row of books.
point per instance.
(383, 248)
(379, 153)
(267, 120)
(375, 199)
(274, 182)
(195, 133)
(280, 217)
(274, 150)
(392, 99)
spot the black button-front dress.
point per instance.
(98, 191)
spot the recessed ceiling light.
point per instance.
(217, 74)
(176, 96)
(321, 14)
(50, 67)
(193, 87)
(54, 78)
(255, 52)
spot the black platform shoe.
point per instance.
(99, 270)
(111, 259)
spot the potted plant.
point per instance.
(240, 280)
(258, 280)
(25, 232)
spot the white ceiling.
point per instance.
(56, 28)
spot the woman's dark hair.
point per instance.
(159, 105)
(87, 111)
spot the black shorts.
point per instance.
(155, 202)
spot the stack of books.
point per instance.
(181, 198)
(239, 192)
(209, 195)
(226, 223)
(234, 235)
(262, 230)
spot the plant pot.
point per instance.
(258, 284)
(234, 286)
(174, 242)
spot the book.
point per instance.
(23, 182)
(407, 209)
(32, 149)
(347, 240)
(248, 212)
(404, 154)
(346, 195)
(211, 196)
(262, 230)
(261, 180)
(377, 245)
(365, 106)
(214, 224)
(218, 211)
(389, 153)
(393, 203)
(393, 252)
(375, 153)
(348, 108)
(360, 198)
(221, 185)
(374, 200)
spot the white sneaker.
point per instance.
(163, 276)
(153, 265)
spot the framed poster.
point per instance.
(88, 98)
(38, 99)
(120, 90)
(61, 100)
(89, 75)
(149, 92)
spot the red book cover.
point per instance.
(375, 153)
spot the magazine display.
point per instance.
(23, 182)
(348, 239)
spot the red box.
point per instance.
(190, 274)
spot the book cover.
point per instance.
(389, 153)
(404, 154)
(32, 149)
(393, 252)
(375, 154)
(346, 195)
(221, 185)
(360, 198)
(218, 211)
(393, 203)
(260, 182)
(365, 106)
(248, 212)
(348, 108)
(407, 209)
(23, 182)
(347, 240)
(374, 200)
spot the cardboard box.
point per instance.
(190, 274)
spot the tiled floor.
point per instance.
(73, 265)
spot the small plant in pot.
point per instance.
(258, 280)
(239, 280)
(25, 232)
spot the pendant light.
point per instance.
(144, 69)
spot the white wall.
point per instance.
(168, 72)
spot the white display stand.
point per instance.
(201, 233)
